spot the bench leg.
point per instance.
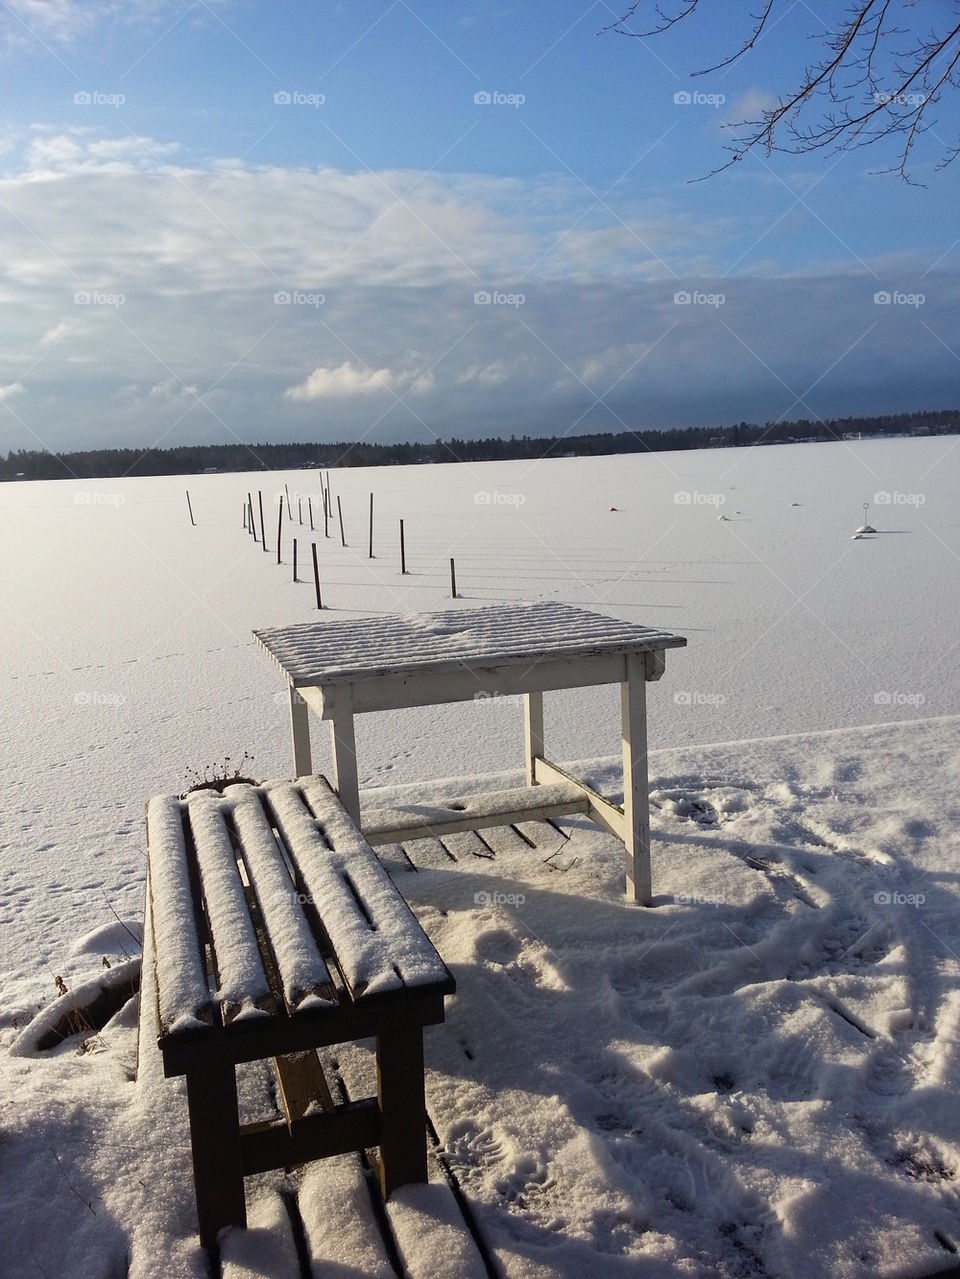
(403, 1111)
(636, 789)
(215, 1141)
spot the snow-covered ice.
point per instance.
(758, 1076)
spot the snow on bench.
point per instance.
(324, 887)
(276, 931)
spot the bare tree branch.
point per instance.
(879, 77)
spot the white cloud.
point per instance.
(55, 333)
(346, 381)
(172, 388)
(12, 388)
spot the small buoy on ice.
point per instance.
(864, 527)
(613, 508)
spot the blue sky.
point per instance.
(188, 255)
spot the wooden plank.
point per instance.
(474, 812)
(394, 692)
(183, 995)
(301, 969)
(378, 944)
(257, 1038)
(301, 1082)
(353, 1126)
(636, 788)
(599, 808)
(243, 986)
(504, 840)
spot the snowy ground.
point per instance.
(753, 1078)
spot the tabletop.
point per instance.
(314, 654)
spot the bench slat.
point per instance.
(183, 996)
(379, 944)
(304, 976)
(244, 989)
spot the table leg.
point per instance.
(345, 763)
(300, 731)
(636, 788)
(533, 731)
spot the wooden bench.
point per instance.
(276, 931)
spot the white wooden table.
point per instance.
(342, 669)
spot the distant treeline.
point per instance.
(192, 459)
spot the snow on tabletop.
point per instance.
(181, 978)
(496, 635)
(395, 952)
(243, 986)
(303, 973)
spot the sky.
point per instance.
(223, 220)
